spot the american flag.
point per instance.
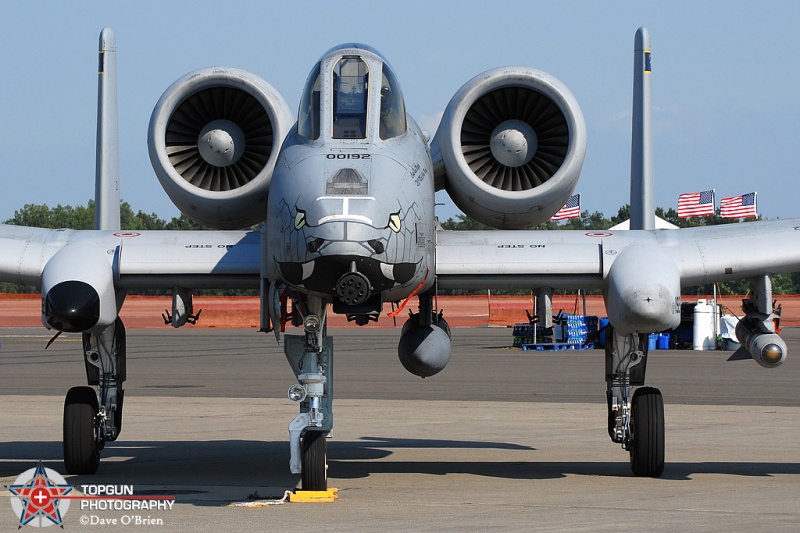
(696, 204)
(738, 206)
(571, 209)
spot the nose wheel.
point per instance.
(314, 457)
(81, 451)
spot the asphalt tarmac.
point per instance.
(502, 439)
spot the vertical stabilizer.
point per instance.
(643, 207)
(106, 187)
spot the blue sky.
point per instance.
(725, 82)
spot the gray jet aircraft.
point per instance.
(346, 194)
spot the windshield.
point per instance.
(308, 116)
(393, 112)
(350, 81)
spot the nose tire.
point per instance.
(353, 288)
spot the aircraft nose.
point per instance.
(72, 306)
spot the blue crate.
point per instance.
(556, 347)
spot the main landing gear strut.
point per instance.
(93, 417)
(636, 421)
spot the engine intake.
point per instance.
(213, 140)
(511, 143)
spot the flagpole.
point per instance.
(716, 317)
(713, 205)
(755, 202)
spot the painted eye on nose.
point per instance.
(299, 219)
(394, 222)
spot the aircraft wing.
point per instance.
(514, 259)
(196, 259)
(572, 259)
(140, 259)
(710, 254)
(25, 251)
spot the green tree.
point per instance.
(60, 216)
(623, 214)
(183, 223)
(464, 223)
(138, 221)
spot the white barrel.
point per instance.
(704, 333)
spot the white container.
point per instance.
(706, 326)
(727, 324)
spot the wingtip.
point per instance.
(108, 41)
(642, 40)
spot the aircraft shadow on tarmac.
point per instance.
(250, 464)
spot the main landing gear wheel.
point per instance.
(81, 455)
(647, 432)
(314, 459)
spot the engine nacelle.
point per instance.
(424, 350)
(512, 143)
(214, 137)
(767, 349)
(642, 291)
(78, 290)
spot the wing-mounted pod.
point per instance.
(764, 346)
(757, 331)
(78, 289)
(511, 146)
(213, 139)
(424, 349)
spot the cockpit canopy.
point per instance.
(362, 98)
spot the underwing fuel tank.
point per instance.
(424, 350)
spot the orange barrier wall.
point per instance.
(243, 311)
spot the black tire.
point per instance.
(314, 461)
(81, 455)
(647, 432)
